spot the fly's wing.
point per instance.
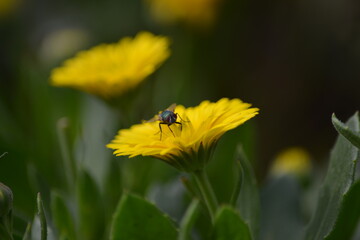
(157, 118)
(171, 107)
(154, 119)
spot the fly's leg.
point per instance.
(179, 124)
(160, 130)
(168, 127)
(181, 117)
(171, 130)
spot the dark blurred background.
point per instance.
(297, 61)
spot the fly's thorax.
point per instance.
(168, 116)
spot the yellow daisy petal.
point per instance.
(189, 146)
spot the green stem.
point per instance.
(193, 191)
(188, 220)
(206, 192)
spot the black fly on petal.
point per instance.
(167, 117)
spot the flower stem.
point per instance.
(206, 192)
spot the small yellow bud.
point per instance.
(292, 161)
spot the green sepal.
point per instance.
(191, 161)
(349, 134)
(90, 207)
(339, 179)
(230, 225)
(135, 218)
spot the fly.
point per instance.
(167, 117)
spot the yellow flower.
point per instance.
(191, 145)
(293, 161)
(192, 12)
(110, 70)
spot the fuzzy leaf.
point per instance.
(349, 215)
(229, 225)
(338, 181)
(136, 218)
(352, 136)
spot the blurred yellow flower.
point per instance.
(293, 161)
(110, 70)
(191, 145)
(7, 7)
(192, 12)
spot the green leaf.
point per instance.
(349, 215)
(113, 185)
(229, 225)
(222, 166)
(4, 233)
(27, 234)
(36, 231)
(248, 202)
(188, 220)
(62, 217)
(352, 136)
(338, 180)
(42, 217)
(138, 219)
(62, 128)
(237, 188)
(91, 213)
